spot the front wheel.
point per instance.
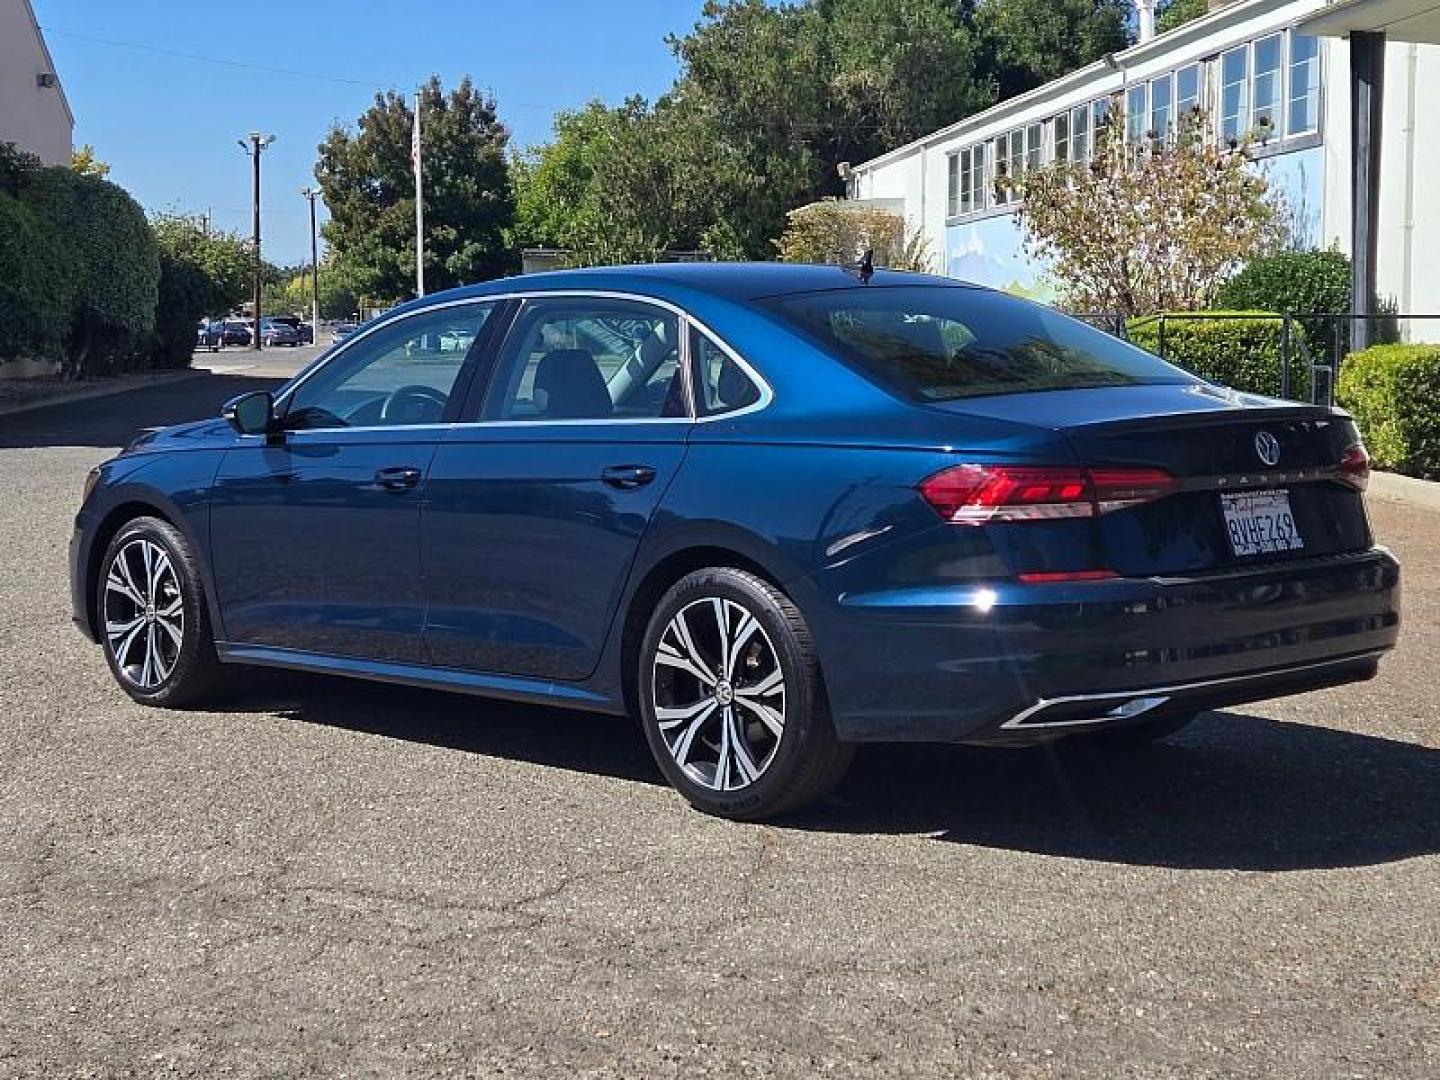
(732, 700)
(154, 623)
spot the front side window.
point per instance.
(398, 375)
(1304, 84)
(938, 343)
(723, 386)
(1233, 84)
(589, 359)
(1266, 104)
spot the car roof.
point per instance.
(731, 280)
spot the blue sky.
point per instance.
(168, 124)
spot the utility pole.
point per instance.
(312, 194)
(254, 146)
(419, 201)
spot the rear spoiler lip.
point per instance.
(1180, 421)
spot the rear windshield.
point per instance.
(932, 343)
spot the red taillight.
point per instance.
(1043, 577)
(1355, 466)
(977, 494)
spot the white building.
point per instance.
(1283, 68)
(33, 111)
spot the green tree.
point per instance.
(39, 273)
(840, 233)
(201, 273)
(1179, 12)
(1145, 229)
(1025, 43)
(365, 174)
(118, 267)
(86, 163)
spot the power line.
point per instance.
(245, 65)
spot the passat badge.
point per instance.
(1267, 448)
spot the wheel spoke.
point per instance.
(768, 716)
(172, 609)
(162, 569)
(171, 629)
(749, 771)
(688, 654)
(681, 747)
(722, 623)
(772, 683)
(743, 633)
(722, 760)
(121, 580)
(116, 630)
(148, 666)
(671, 717)
(147, 556)
(668, 656)
(122, 651)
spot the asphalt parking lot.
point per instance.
(328, 878)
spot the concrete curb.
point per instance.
(1424, 493)
(86, 392)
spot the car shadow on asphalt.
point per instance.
(1234, 791)
(115, 419)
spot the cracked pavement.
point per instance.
(327, 878)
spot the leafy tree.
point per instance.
(369, 188)
(835, 232)
(1179, 12)
(201, 273)
(86, 163)
(118, 267)
(1158, 228)
(1026, 43)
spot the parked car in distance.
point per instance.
(210, 334)
(278, 332)
(303, 330)
(236, 332)
(342, 330)
(773, 511)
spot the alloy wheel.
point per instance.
(144, 613)
(719, 694)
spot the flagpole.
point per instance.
(419, 203)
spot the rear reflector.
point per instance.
(1045, 577)
(978, 494)
(1355, 466)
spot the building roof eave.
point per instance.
(1403, 20)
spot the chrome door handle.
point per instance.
(399, 478)
(627, 476)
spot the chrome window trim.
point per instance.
(767, 394)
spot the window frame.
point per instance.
(1278, 117)
(1242, 115)
(1288, 89)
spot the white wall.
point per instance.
(34, 118)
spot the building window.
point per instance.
(1265, 108)
(1161, 91)
(1099, 113)
(952, 196)
(1304, 85)
(1135, 115)
(977, 177)
(1234, 68)
(1187, 92)
(1000, 157)
(1033, 146)
(1061, 127)
(1079, 132)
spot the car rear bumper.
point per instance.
(1009, 664)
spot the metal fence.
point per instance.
(1321, 343)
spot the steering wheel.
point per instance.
(394, 403)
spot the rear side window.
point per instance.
(936, 343)
(723, 385)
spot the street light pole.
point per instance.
(255, 146)
(312, 194)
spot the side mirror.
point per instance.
(250, 414)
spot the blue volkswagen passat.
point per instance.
(771, 510)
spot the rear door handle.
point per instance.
(627, 476)
(398, 478)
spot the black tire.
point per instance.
(800, 763)
(193, 672)
(1142, 733)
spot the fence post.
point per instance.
(1285, 357)
(1161, 339)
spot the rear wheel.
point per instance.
(153, 620)
(732, 700)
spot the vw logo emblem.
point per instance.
(1267, 448)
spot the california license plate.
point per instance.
(1260, 522)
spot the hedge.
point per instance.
(38, 279)
(1244, 353)
(1393, 391)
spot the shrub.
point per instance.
(1299, 282)
(38, 277)
(1245, 353)
(183, 298)
(1393, 391)
(119, 267)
